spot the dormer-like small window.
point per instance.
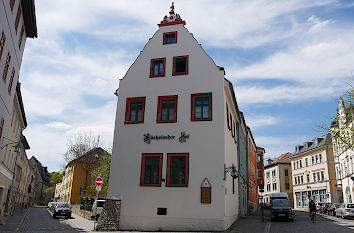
(170, 38)
(157, 67)
(180, 65)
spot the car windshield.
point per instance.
(100, 203)
(350, 205)
(281, 203)
(63, 205)
(336, 205)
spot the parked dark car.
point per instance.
(325, 208)
(280, 207)
(61, 209)
(332, 209)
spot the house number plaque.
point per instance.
(205, 192)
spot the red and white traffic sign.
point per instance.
(99, 181)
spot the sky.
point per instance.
(288, 61)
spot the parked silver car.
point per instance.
(345, 210)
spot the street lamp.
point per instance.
(232, 169)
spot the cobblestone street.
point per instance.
(39, 219)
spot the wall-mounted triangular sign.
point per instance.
(206, 183)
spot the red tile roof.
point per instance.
(284, 158)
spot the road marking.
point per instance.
(267, 228)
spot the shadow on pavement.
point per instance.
(37, 219)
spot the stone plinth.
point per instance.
(109, 218)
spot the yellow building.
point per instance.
(313, 172)
(77, 180)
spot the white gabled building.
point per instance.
(343, 151)
(177, 129)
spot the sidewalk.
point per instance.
(252, 223)
(15, 220)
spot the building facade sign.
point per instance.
(148, 137)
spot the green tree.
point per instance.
(55, 177)
(103, 170)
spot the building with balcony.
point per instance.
(313, 172)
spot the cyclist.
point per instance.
(312, 209)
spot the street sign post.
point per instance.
(99, 182)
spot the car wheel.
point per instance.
(343, 217)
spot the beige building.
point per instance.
(277, 177)
(313, 172)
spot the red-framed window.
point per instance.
(134, 110)
(201, 107)
(180, 65)
(228, 117)
(157, 67)
(177, 169)
(167, 109)
(151, 169)
(235, 133)
(170, 38)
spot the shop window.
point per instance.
(201, 107)
(180, 65)
(134, 112)
(157, 67)
(167, 109)
(170, 38)
(151, 169)
(177, 169)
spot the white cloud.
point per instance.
(58, 125)
(283, 94)
(261, 120)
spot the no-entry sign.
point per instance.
(99, 181)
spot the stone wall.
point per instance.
(83, 213)
(109, 218)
